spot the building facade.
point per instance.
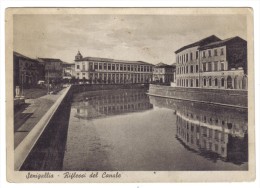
(53, 69)
(68, 70)
(224, 64)
(188, 63)
(104, 70)
(163, 73)
(213, 63)
(27, 71)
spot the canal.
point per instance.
(127, 130)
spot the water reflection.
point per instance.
(128, 130)
(92, 105)
(214, 132)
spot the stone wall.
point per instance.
(235, 98)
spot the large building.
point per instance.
(52, 68)
(27, 71)
(224, 64)
(163, 73)
(213, 63)
(188, 62)
(104, 70)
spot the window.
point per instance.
(209, 67)
(222, 51)
(95, 66)
(124, 67)
(197, 82)
(121, 67)
(77, 66)
(209, 81)
(108, 66)
(117, 67)
(91, 66)
(215, 52)
(138, 68)
(216, 82)
(113, 66)
(105, 66)
(128, 67)
(205, 81)
(132, 68)
(197, 54)
(222, 82)
(221, 66)
(191, 69)
(204, 54)
(191, 83)
(209, 51)
(197, 68)
(204, 67)
(187, 56)
(187, 69)
(216, 66)
(187, 82)
(142, 68)
(191, 56)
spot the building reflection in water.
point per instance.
(98, 104)
(213, 131)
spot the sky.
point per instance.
(149, 38)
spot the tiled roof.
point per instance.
(221, 43)
(201, 42)
(23, 56)
(50, 60)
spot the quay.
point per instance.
(45, 115)
(226, 97)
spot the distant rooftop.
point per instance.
(163, 65)
(50, 60)
(111, 60)
(201, 42)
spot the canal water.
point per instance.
(127, 130)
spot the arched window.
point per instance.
(209, 81)
(229, 82)
(222, 82)
(216, 82)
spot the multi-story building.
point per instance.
(68, 71)
(53, 69)
(213, 63)
(224, 64)
(188, 62)
(163, 73)
(104, 70)
(27, 71)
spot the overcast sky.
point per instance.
(150, 38)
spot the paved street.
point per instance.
(30, 114)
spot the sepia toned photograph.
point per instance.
(130, 94)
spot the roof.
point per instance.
(222, 42)
(201, 42)
(112, 60)
(163, 65)
(50, 60)
(23, 56)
